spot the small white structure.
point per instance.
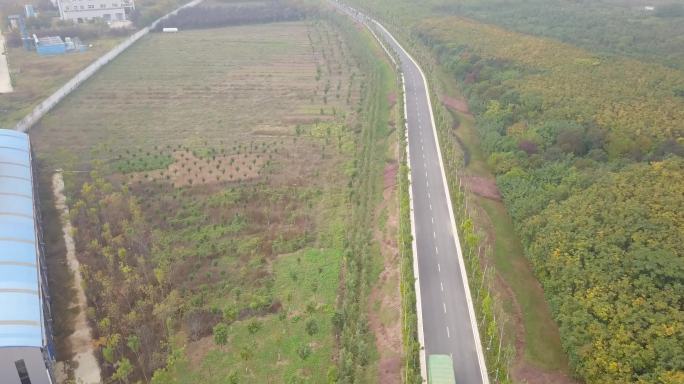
(649, 8)
(170, 30)
(84, 10)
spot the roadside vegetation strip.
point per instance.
(45, 106)
(412, 325)
(412, 332)
(415, 370)
(364, 193)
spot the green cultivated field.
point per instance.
(217, 208)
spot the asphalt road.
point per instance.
(448, 323)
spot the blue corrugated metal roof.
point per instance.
(21, 313)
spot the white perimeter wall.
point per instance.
(5, 80)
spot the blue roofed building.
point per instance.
(26, 350)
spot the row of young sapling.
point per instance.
(337, 60)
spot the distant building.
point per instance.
(649, 8)
(26, 348)
(84, 10)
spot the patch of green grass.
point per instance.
(143, 163)
(286, 346)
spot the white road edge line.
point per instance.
(414, 244)
(469, 299)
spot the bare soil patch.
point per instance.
(482, 186)
(189, 169)
(196, 350)
(456, 104)
(385, 297)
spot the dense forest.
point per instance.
(606, 26)
(587, 150)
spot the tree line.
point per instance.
(223, 15)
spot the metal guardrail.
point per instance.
(46, 105)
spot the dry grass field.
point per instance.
(34, 77)
(218, 198)
(242, 85)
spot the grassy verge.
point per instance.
(34, 77)
(361, 256)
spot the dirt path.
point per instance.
(5, 81)
(385, 298)
(85, 367)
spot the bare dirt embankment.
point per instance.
(385, 299)
(84, 365)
